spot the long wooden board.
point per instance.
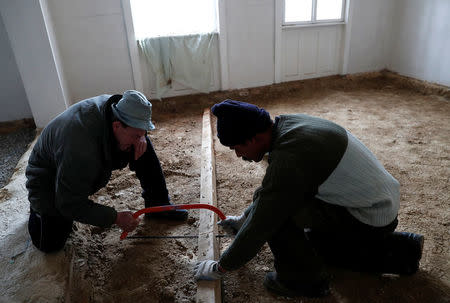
(208, 247)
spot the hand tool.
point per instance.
(174, 237)
(156, 209)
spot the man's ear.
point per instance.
(257, 138)
(250, 141)
(264, 138)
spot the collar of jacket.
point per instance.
(110, 140)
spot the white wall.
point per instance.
(13, 100)
(55, 50)
(382, 33)
(93, 46)
(250, 42)
(84, 51)
(24, 22)
(249, 27)
(421, 40)
(370, 29)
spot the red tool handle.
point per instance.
(157, 209)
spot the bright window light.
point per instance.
(312, 11)
(162, 18)
(329, 9)
(297, 10)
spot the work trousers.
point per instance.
(327, 234)
(148, 171)
(49, 233)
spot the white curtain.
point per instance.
(185, 59)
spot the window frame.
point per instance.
(314, 20)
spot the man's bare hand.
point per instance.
(126, 221)
(140, 147)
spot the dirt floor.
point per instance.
(407, 129)
(409, 133)
(405, 123)
(136, 270)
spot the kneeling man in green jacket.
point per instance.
(74, 157)
(325, 199)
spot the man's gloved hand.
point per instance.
(207, 270)
(232, 224)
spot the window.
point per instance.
(162, 18)
(313, 11)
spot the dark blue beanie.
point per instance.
(238, 121)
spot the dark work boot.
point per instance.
(403, 253)
(312, 289)
(175, 215)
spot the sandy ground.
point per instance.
(409, 133)
(145, 270)
(406, 124)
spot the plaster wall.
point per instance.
(24, 22)
(79, 48)
(13, 100)
(250, 26)
(370, 30)
(50, 27)
(95, 57)
(421, 40)
(93, 46)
